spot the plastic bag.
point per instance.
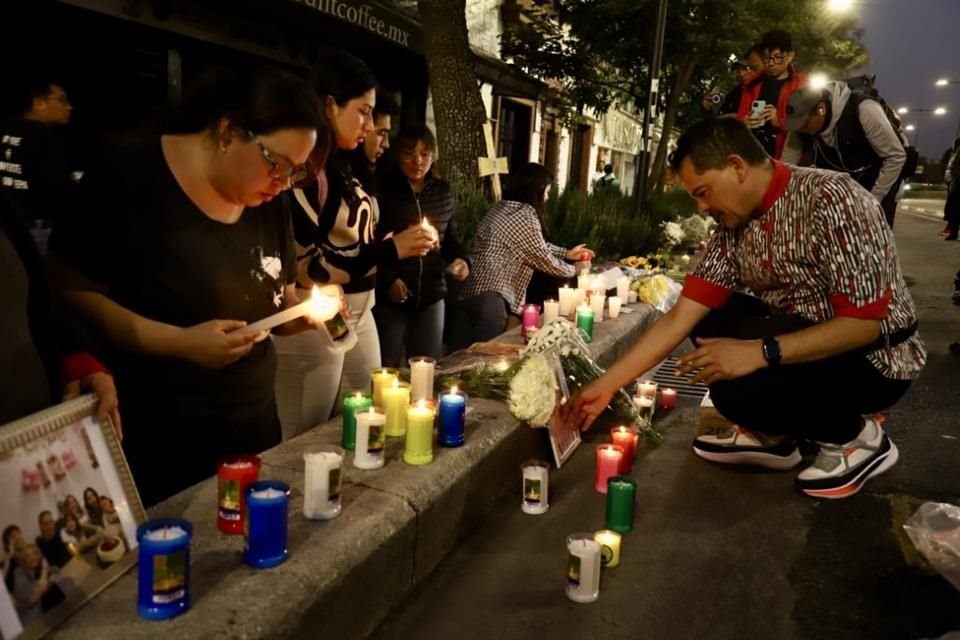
(935, 531)
(659, 291)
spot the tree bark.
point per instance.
(680, 83)
(457, 105)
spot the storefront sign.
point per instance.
(373, 18)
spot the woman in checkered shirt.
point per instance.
(508, 248)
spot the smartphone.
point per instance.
(756, 109)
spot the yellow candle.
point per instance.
(380, 378)
(396, 399)
(609, 547)
(418, 448)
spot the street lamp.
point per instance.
(839, 6)
(942, 82)
(916, 136)
(937, 111)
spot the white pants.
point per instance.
(311, 379)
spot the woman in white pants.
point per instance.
(335, 226)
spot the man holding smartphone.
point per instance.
(763, 104)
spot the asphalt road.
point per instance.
(728, 553)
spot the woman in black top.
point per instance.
(179, 241)
(412, 291)
(335, 222)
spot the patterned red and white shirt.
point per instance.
(820, 248)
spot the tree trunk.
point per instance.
(680, 83)
(457, 104)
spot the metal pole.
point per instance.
(646, 137)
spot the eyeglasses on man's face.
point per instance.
(776, 58)
(280, 168)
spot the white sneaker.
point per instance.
(841, 470)
(736, 445)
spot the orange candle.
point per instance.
(625, 438)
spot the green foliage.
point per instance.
(470, 205)
(607, 222)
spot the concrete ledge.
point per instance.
(343, 575)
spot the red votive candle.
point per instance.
(668, 399)
(626, 439)
(233, 477)
(609, 458)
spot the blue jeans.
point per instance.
(477, 319)
(421, 332)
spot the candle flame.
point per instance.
(359, 396)
(396, 384)
(453, 390)
(502, 365)
(322, 306)
(421, 404)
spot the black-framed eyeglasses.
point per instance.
(281, 169)
(776, 58)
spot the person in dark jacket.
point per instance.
(412, 291)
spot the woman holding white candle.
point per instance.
(335, 226)
(411, 293)
(178, 241)
(508, 248)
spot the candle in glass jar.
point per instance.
(581, 298)
(583, 280)
(583, 567)
(421, 378)
(632, 297)
(614, 304)
(644, 406)
(536, 487)
(568, 300)
(530, 319)
(265, 543)
(551, 311)
(418, 447)
(585, 318)
(452, 419)
(609, 457)
(233, 477)
(396, 399)
(353, 403)
(621, 494)
(380, 378)
(609, 547)
(371, 439)
(163, 589)
(597, 299)
(623, 288)
(668, 399)
(323, 482)
(626, 438)
(647, 388)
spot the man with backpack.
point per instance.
(607, 183)
(848, 131)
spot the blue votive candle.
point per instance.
(453, 412)
(265, 543)
(164, 571)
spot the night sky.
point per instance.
(912, 43)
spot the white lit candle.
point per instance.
(609, 547)
(568, 300)
(536, 487)
(551, 311)
(647, 388)
(431, 230)
(421, 378)
(614, 305)
(596, 304)
(371, 439)
(319, 306)
(165, 533)
(623, 287)
(583, 281)
(581, 298)
(644, 406)
(322, 483)
(583, 568)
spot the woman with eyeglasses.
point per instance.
(178, 242)
(410, 314)
(335, 225)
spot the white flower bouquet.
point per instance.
(673, 234)
(696, 229)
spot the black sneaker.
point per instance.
(736, 445)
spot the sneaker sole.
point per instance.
(878, 466)
(753, 458)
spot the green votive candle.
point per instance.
(621, 494)
(585, 318)
(352, 403)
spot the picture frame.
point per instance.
(69, 515)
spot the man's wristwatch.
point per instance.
(771, 351)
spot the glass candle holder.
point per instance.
(626, 438)
(323, 482)
(632, 297)
(163, 572)
(623, 288)
(530, 320)
(609, 457)
(452, 418)
(233, 477)
(621, 495)
(647, 389)
(371, 439)
(551, 311)
(418, 447)
(535, 487)
(352, 403)
(597, 300)
(568, 300)
(613, 305)
(583, 567)
(668, 399)
(268, 503)
(644, 406)
(421, 378)
(610, 542)
(585, 318)
(396, 400)
(380, 378)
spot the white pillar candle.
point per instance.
(536, 487)
(551, 311)
(583, 281)
(644, 406)
(614, 305)
(623, 287)
(583, 568)
(647, 389)
(609, 547)
(421, 378)
(581, 298)
(632, 297)
(319, 306)
(568, 300)
(596, 304)
(322, 483)
(371, 439)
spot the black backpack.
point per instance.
(866, 84)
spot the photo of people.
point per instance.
(65, 520)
